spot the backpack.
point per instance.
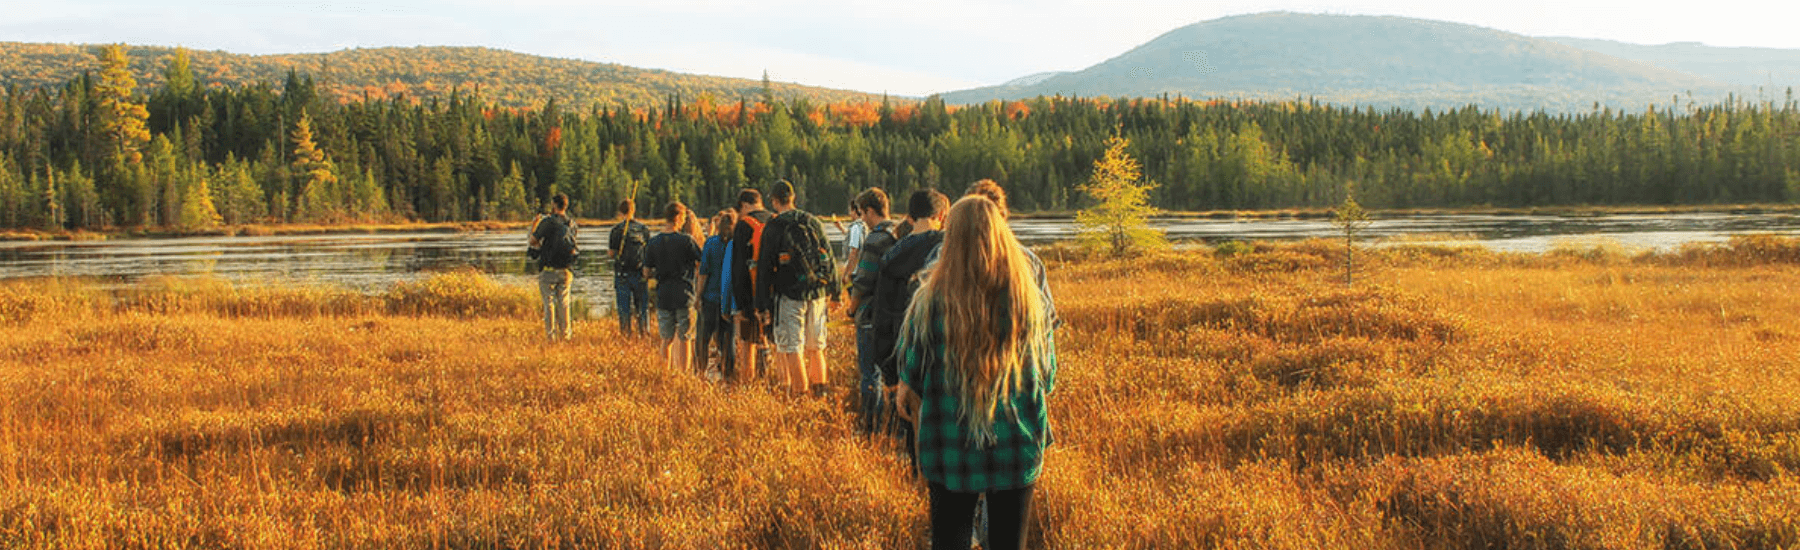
(630, 258)
(756, 220)
(557, 248)
(805, 254)
(894, 291)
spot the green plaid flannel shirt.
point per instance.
(948, 454)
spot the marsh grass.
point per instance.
(1457, 398)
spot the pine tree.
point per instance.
(314, 176)
(1121, 221)
(51, 199)
(12, 194)
(511, 205)
(686, 178)
(122, 121)
(1350, 219)
(760, 167)
(122, 136)
(80, 198)
(197, 210)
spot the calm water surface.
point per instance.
(375, 262)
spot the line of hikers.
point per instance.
(954, 325)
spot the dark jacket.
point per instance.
(894, 292)
(868, 269)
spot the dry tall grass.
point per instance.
(1458, 399)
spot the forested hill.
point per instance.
(506, 78)
(106, 151)
(1367, 60)
(1773, 69)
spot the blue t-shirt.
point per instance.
(712, 264)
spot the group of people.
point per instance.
(954, 325)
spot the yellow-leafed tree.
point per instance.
(1121, 221)
(121, 119)
(315, 178)
(197, 208)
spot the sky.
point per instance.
(912, 48)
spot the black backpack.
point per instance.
(557, 248)
(894, 292)
(631, 250)
(805, 256)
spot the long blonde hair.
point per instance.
(993, 314)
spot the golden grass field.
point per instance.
(1451, 399)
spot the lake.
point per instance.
(373, 262)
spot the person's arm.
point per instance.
(912, 355)
(613, 242)
(649, 260)
(742, 294)
(867, 269)
(835, 286)
(1043, 281)
(698, 261)
(765, 266)
(850, 262)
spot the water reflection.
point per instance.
(374, 262)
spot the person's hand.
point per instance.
(907, 402)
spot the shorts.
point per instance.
(797, 318)
(674, 323)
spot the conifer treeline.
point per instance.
(99, 153)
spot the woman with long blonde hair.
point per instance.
(977, 363)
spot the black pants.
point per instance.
(953, 518)
(715, 329)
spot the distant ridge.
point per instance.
(422, 73)
(1366, 60)
(1760, 67)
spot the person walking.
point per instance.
(753, 330)
(977, 366)
(871, 207)
(673, 259)
(853, 238)
(992, 191)
(894, 288)
(625, 245)
(553, 236)
(795, 274)
(715, 325)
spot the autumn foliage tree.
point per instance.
(1120, 222)
(315, 179)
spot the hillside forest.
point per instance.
(100, 151)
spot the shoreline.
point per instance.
(277, 230)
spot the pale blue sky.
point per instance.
(907, 48)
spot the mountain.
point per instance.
(1765, 67)
(1366, 60)
(507, 78)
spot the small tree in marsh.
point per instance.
(1351, 219)
(1121, 222)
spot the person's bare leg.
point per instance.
(746, 359)
(793, 365)
(678, 354)
(815, 366)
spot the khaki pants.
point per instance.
(553, 284)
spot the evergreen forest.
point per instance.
(100, 151)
